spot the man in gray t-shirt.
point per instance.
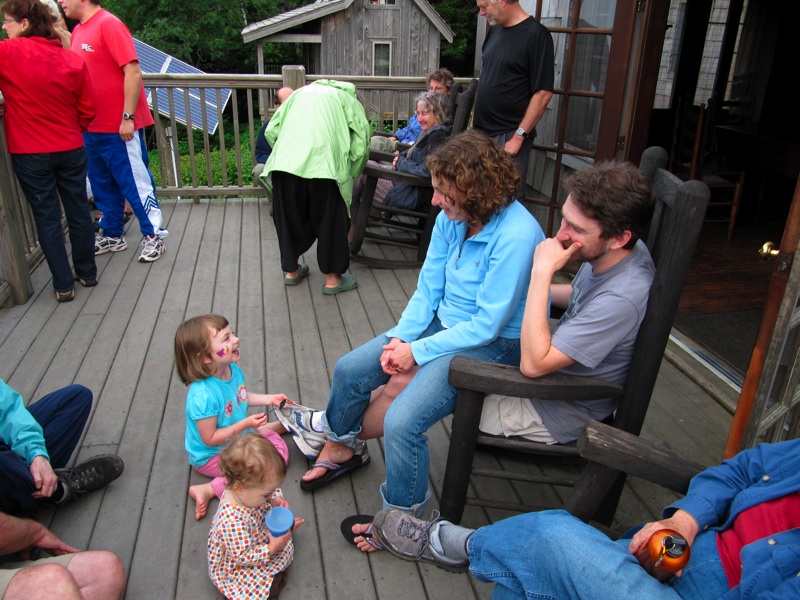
(608, 208)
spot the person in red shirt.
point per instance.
(48, 104)
(118, 160)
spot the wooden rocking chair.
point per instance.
(671, 238)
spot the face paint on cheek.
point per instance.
(223, 351)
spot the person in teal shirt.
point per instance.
(320, 142)
(36, 443)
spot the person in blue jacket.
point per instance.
(741, 519)
(469, 301)
(35, 446)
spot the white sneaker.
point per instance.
(297, 420)
(152, 249)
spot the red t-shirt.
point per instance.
(106, 44)
(48, 96)
(755, 523)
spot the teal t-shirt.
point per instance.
(227, 400)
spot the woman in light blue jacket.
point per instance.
(469, 301)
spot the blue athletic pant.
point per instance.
(119, 170)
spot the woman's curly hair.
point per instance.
(480, 170)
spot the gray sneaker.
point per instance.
(414, 539)
(297, 420)
(103, 244)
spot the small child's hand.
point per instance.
(279, 501)
(278, 399)
(257, 420)
(276, 544)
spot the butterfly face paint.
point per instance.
(222, 352)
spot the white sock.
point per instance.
(316, 421)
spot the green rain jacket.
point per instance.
(320, 132)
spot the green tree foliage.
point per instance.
(205, 33)
(462, 18)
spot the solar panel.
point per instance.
(153, 60)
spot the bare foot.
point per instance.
(361, 542)
(332, 452)
(201, 494)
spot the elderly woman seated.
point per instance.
(433, 114)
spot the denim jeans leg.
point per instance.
(71, 181)
(553, 555)
(37, 178)
(355, 376)
(427, 399)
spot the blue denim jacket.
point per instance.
(770, 566)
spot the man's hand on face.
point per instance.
(551, 255)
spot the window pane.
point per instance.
(381, 60)
(597, 13)
(591, 63)
(583, 122)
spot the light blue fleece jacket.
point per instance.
(18, 429)
(476, 286)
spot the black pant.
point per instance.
(309, 210)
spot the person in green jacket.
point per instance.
(320, 141)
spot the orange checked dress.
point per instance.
(238, 561)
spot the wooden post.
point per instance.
(166, 154)
(294, 76)
(13, 266)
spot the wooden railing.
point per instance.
(193, 164)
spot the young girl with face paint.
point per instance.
(206, 353)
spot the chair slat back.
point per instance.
(686, 157)
(673, 235)
(463, 106)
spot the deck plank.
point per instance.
(117, 339)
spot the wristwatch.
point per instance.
(127, 116)
(522, 132)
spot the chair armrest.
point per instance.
(490, 378)
(631, 454)
(381, 156)
(389, 173)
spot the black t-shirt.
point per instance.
(518, 61)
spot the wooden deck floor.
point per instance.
(117, 339)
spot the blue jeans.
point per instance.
(44, 178)
(552, 555)
(119, 171)
(62, 415)
(427, 399)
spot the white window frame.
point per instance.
(382, 42)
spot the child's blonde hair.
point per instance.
(250, 460)
(193, 347)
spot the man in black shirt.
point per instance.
(516, 81)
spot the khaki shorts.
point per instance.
(506, 415)
(8, 570)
